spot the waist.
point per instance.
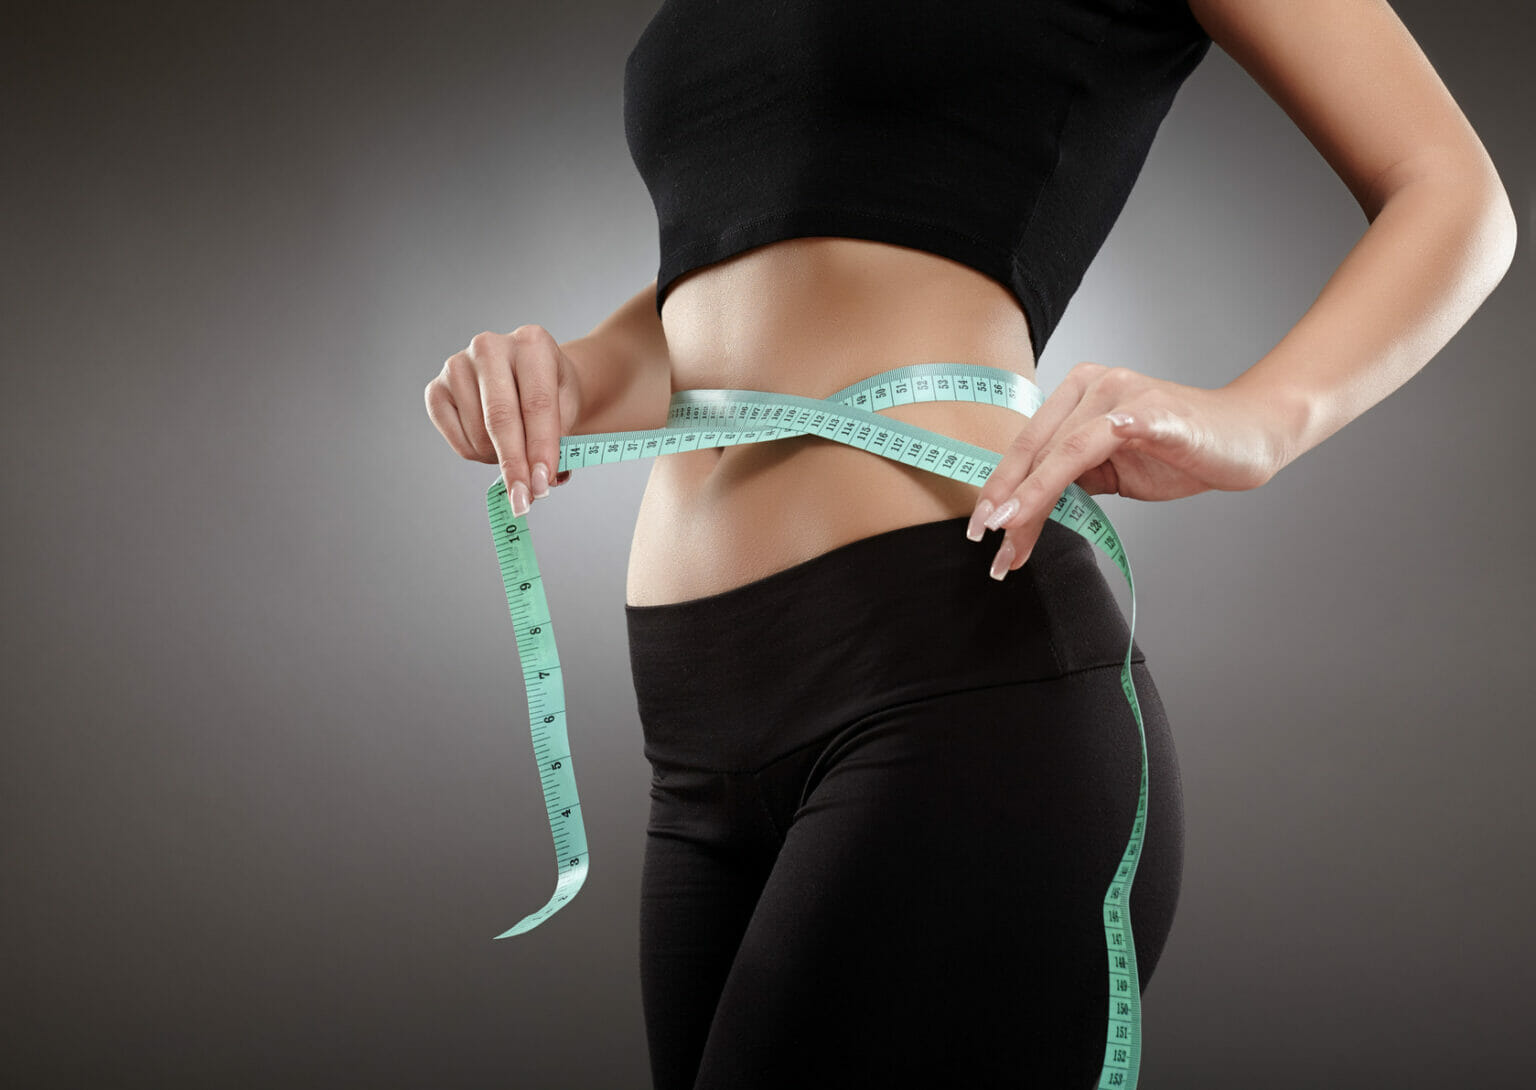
(809, 316)
(715, 518)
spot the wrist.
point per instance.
(618, 388)
(1284, 412)
(588, 369)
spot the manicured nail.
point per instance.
(1001, 561)
(983, 509)
(1003, 513)
(540, 479)
(519, 499)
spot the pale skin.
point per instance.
(811, 315)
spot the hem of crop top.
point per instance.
(845, 222)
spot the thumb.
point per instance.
(1150, 424)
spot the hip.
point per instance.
(886, 619)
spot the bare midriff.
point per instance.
(809, 316)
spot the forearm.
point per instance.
(1435, 250)
(623, 369)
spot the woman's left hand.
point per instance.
(1178, 440)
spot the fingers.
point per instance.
(1069, 436)
(444, 414)
(1019, 458)
(499, 400)
(497, 392)
(446, 398)
(537, 371)
(1084, 443)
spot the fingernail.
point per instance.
(1003, 513)
(1001, 561)
(973, 530)
(540, 479)
(519, 499)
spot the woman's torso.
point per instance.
(810, 316)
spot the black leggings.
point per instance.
(889, 796)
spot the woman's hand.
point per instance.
(1111, 429)
(508, 398)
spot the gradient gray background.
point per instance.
(267, 785)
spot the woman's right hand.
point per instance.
(508, 398)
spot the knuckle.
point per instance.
(458, 365)
(529, 334)
(1075, 445)
(483, 343)
(437, 396)
(1031, 492)
(500, 416)
(1118, 377)
(537, 400)
(514, 459)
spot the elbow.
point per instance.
(1489, 244)
(1491, 234)
(1487, 225)
(1465, 191)
(1488, 241)
(1502, 231)
(1494, 225)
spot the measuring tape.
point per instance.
(722, 418)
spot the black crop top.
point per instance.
(1004, 135)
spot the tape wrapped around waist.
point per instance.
(720, 417)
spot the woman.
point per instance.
(894, 771)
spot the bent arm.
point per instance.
(1441, 230)
(623, 368)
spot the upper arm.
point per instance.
(637, 327)
(1352, 78)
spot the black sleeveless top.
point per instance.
(1006, 136)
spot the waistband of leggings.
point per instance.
(734, 680)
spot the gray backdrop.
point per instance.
(267, 783)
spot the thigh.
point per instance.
(702, 873)
(935, 913)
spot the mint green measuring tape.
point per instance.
(721, 418)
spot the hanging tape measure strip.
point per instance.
(719, 418)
